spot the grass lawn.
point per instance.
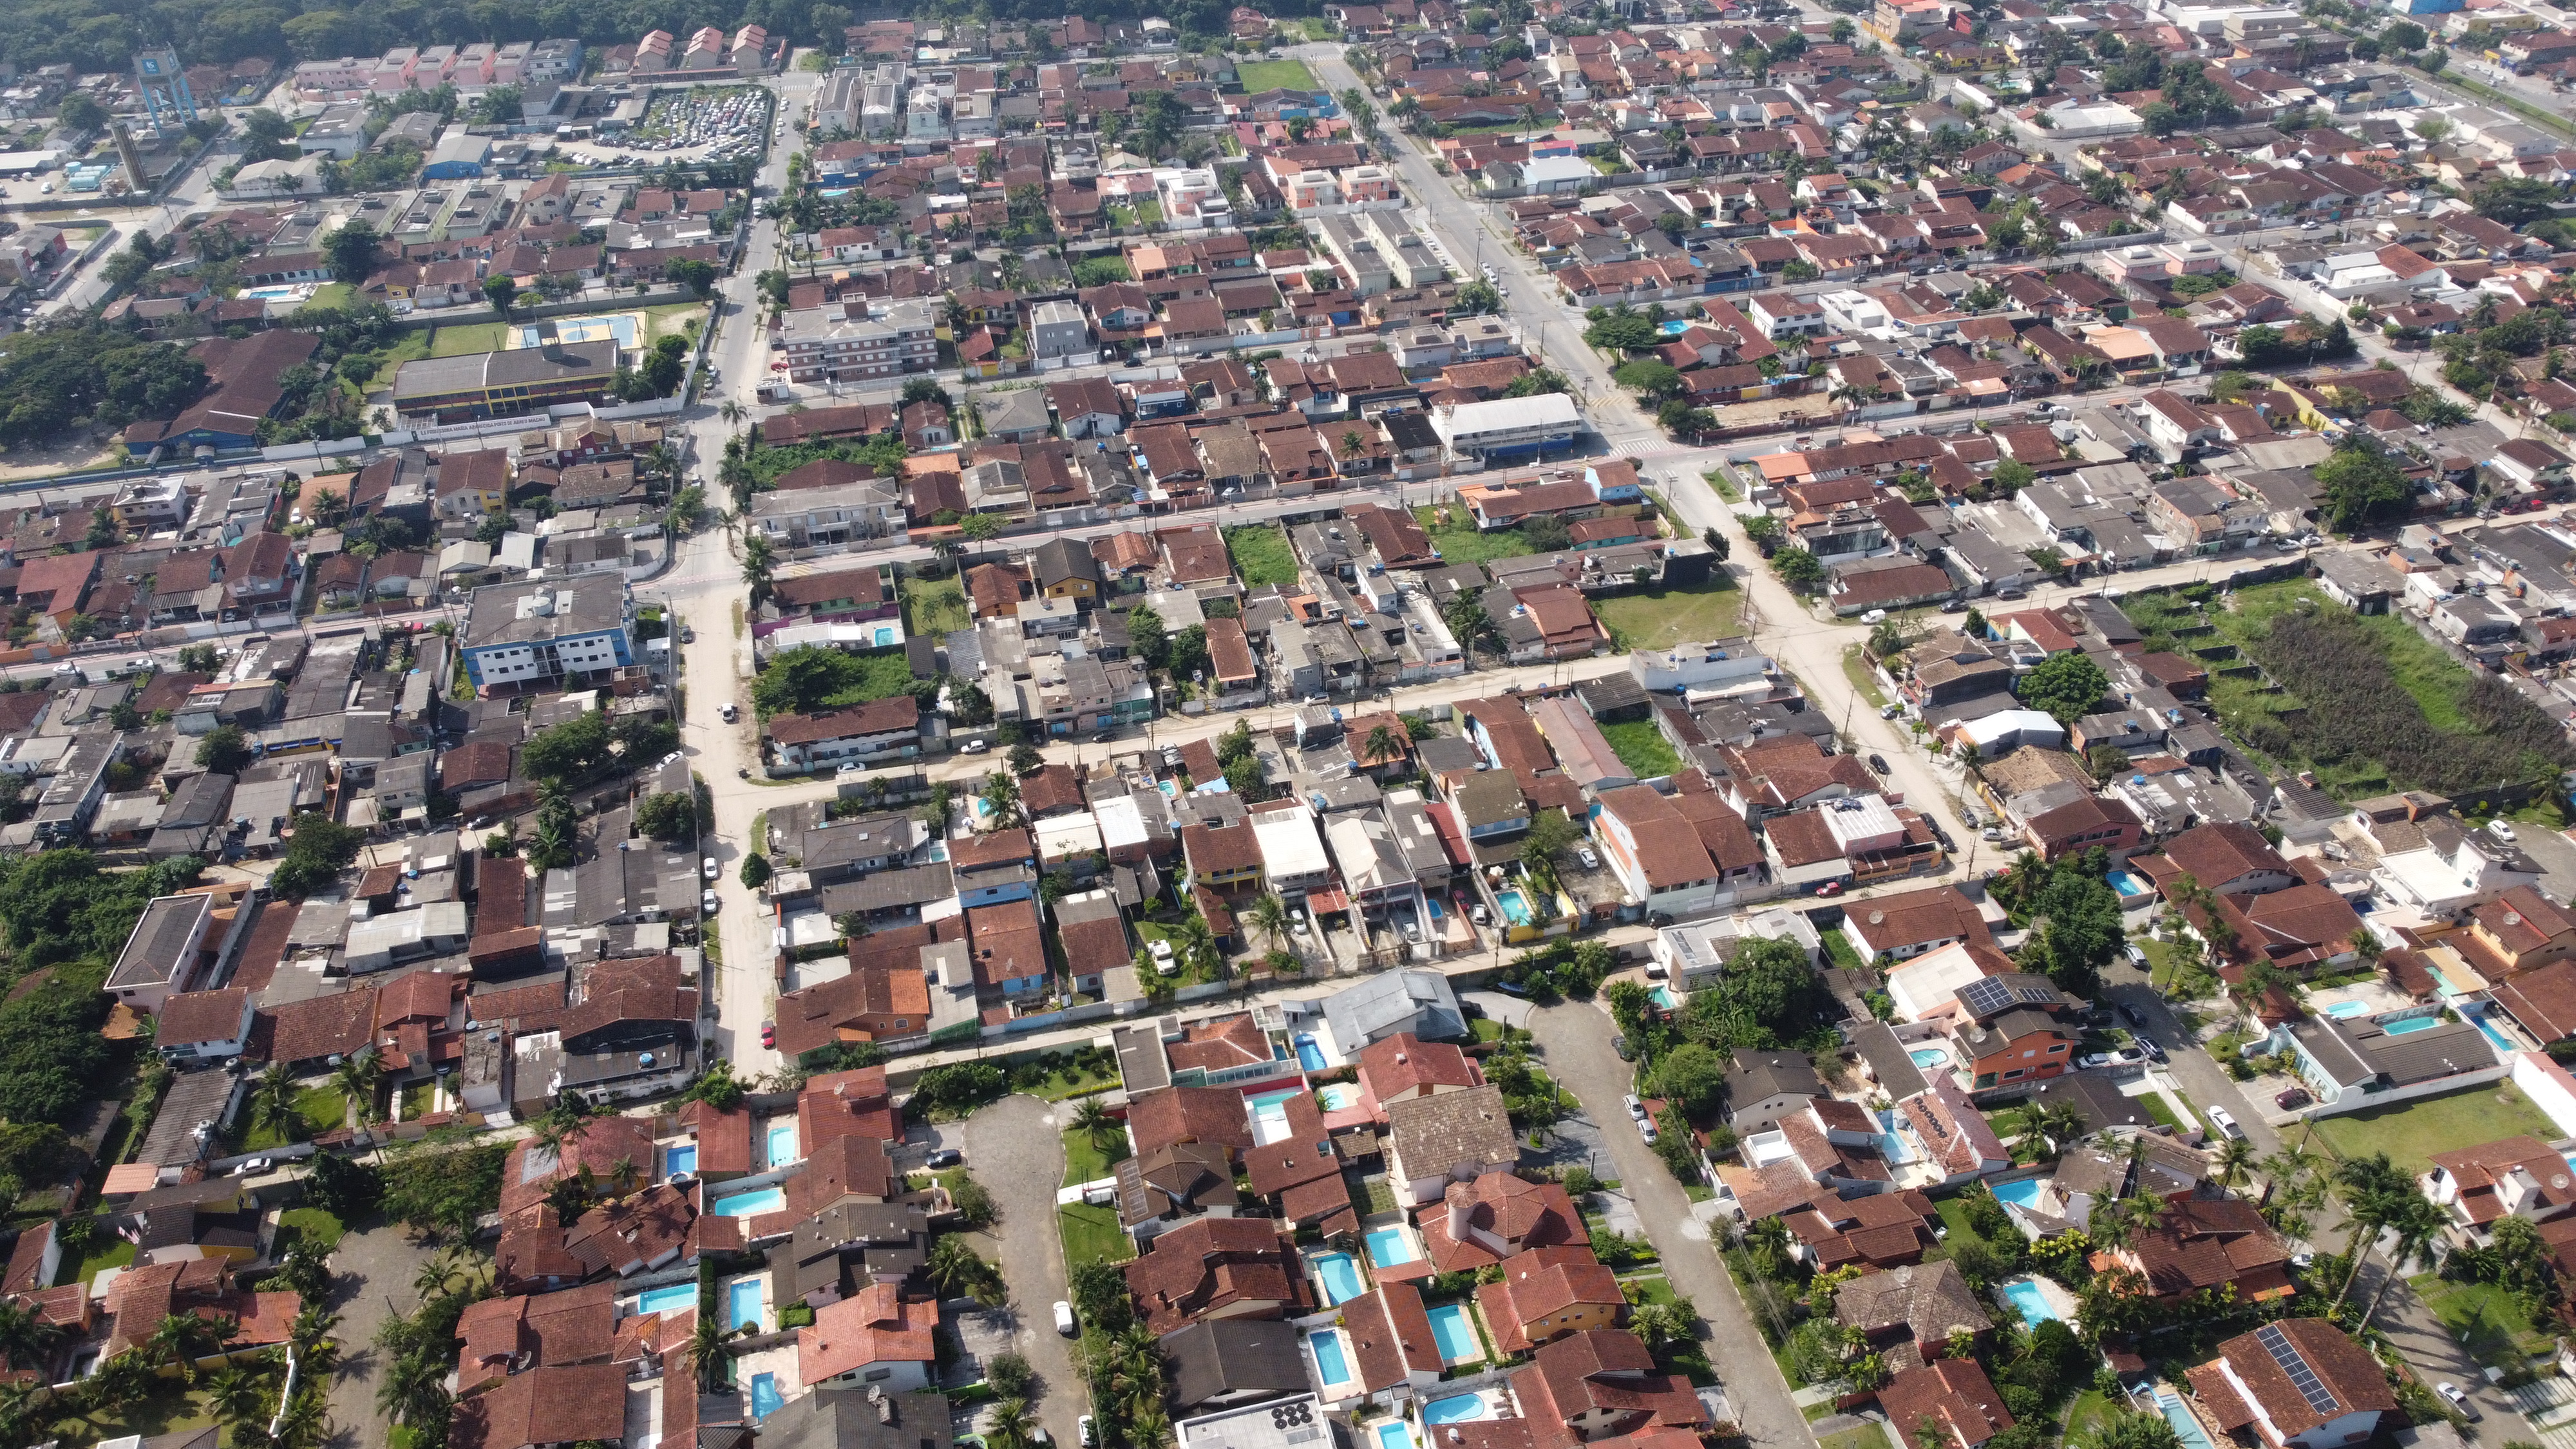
(465, 337)
(333, 294)
(2484, 1318)
(1867, 1436)
(2089, 1412)
(2411, 1132)
(166, 1407)
(2156, 1108)
(296, 1224)
(322, 1108)
(1954, 1216)
(1722, 485)
(1260, 554)
(1083, 1084)
(115, 1253)
(417, 1098)
(1084, 1161)
(934, 607)
(1642, 748)
(672, 319)
(1092, 1235)
(1655, 1288)
(1317, 27)
(1843, 953)
(1655, 618)
(1263, 75)
(1487, 1029)
(408, 347)
(1460, 542)
(1857, 670)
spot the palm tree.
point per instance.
(1269, 916)
(239, 1396)
(706, 1350)
(955, 1268)
(358, 1077)
(759, 562)
(182, 1339)
(2418, 1226)
(1093, 1121)
(731, 412)
(304, 1421)
(414, 1390)
(1007, 1427)
(2235, 1162)
(1002, 800)
(1382, 746)
(1198, 945)
(2063, 1122)
(2371, 1210)
(272, 1102)
(26, 1340)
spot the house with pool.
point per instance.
(1383, 1346)
(877, 1338)
(1218, 1268)
(2299, 1383)
(2357, 1061)
(1546, 1294)
(2204, 1243)
(1454, 1138)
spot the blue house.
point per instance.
(543, 631)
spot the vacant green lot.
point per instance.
(673, 319)
(1659, 617)
(466, 337)
(322, 1108)
(2411, 1132)
(1260, 553)
(1863, 678)
(408, 347)
(312, 1223)
(1084, 1160)
(1266, 75)
(1092, 1235)
(1642, 748)
(2489, 1322)
(333, 294)
(934, 606)
(1459, 542)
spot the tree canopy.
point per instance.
(2067, 686)
(2362, 488)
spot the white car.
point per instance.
(974, 747)
(2501, 830)
(708, 903)
(2225, 1122)
(2092, 1060)
(1064, 1318)
(1636, 1108)
(2459, 1401)
(1646, 1129)
(710, 867)
(1590, 861)
(727, 712)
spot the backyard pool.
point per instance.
(2344, 1009)
(1327, 1348)
(679, 1161)
(1457, 1409)
(2128, 884)
(1270, 1116)
(2186, 1425)
(2022, 1194)
(765, 1398)
(1515, 907)
(1929, 1057)
(782, 1143)
(622, 326)
(1337, 1095)
(751, 1204)
(283, 293)
(2410, 1024)
(2502, 1042)
(1391, 1247)
(1675, 326)
(668, 1300)
(1394, 1434)
(1340, 1277)
(1663, 996)
(1455, 1335)
(2028, 1301)
(1309, 1055)
(742, 1304)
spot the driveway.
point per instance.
(1016, 1150)
(1575, 1038)
(373, 1272)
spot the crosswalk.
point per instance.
(2550, 1406)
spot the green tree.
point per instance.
(224, 750)
(318, 848)
(1691, 1076)
(1798, 569)
(667, 816)
(2068, 686)
(352, 250)
(2362, 488)
(755, 871)
(501, 291)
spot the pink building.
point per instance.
(706, 50)
(474, 65)
(653, 52)
(509, 62)
(395, 73)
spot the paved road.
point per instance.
(375, 1268)
(1015, 1148)
(1576, 1040)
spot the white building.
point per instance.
(1504, 427)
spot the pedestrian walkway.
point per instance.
(2550, 1405)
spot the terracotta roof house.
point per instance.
(1217, 1268)
(1954, 1397)
(1167, 1115)
(544, 1406)
(1548, 1293)
(2517, 1175)
(2227, 860)
(1404, 1065)
(1600, 1383)
(1391, 1338)
(876, 1336)
(1909, 1313)
(1498, 1215)
(2298, 1383)
(1301, 1171)
(1436, 1142)
(545, 1330)
(2202, 1243)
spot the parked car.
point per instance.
(2289, 1098)
(1104, 737)
(1620, 1045)
(2128, 1056)
(769, 1033)
(727, 712)
(2225, 1122)
(2091, 1060)
(2137, 954)
(945, 1157)
(708, 864)
(1585, 854)
(708, 903)
(2130, 1015)
(1646, 1129)
(1064, 1318)
(1878, 763)
(1478, 914)
(1830, 888)
(1090, 1436)
(688, 635)
(2459, 1401)
(1890, 711)
(2155, 1052)
(2501, 830)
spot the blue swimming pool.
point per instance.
(679, 1161)
(1394, 1434)
(668, 1300)
(1929, 1057)
(2186, 1427)
(2022, 1194)
(742, 1303)
(2343, 1009)
(1455, 1335)
(1663, 997)
(765, 1398)
(1391, 1247)
(2026, 1299)
(1327, 1348)
(1309, 1055)
(782, 1143)
(1515, 907)
(1456, 1409)
(2502, 1042)
(1337, 1096)
(2410, 1024)
(1340, 1277)
(885, 638)
(2128, 885)
(751, 1204)
(1270, 1115)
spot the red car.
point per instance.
(769, 1033)
(1830, 888)
(2290, 1097)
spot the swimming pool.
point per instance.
(583, 329)
(1309, 1055)
(2127, 884)
(281, 293)
(765, 1398)
(2502, 1042)
(1340, 1277)
(1515, 907)
(2186, 1427)
(751, 1204)
(679, 1161)
(1663, 996)
(668, 1300)
(1457, 1409)
(1929, 1057)
(1327, 1348)
(2026, 1299)
(782, 1143)
(2344, 1009)
(742, 1303)
(2410, 1024)
(1337, 1095)
(2023, 1194)
(1394, 1434)
(1455, 1335)
(1675, 326)
(1391, 1248)
(1270, 1116)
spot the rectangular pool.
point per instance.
(751, 1204)
(2502, 1042)
(2410, 1024)
(765, 1398)
(782, 1143)
(1391, 1247)
(1455, 1335)
(1309, 1055)
(1393, 1434)
(679, 1161)
(668, 1300)
(1337, 1096)
(1340, 1277)
(1270, 1116)
(2027, 1300)
(2022, 1194)
(742, 1303)
(2186, 1425)
(1326, 1345)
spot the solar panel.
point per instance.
(1984, 996)
(2295, 1364)
(2030, 995)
